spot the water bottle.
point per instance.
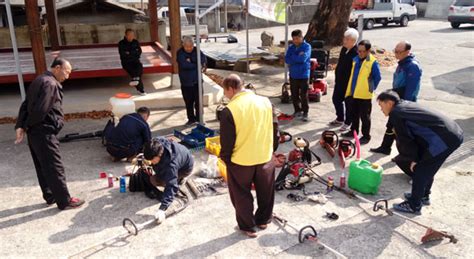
(123, 185)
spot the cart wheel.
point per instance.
(130, 226)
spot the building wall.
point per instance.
(81, 17)
(438, 8)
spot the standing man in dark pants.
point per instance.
(344, 65)
(172, 163)
(406, 82)
(425, 139)
(247, 147)
(188, 76)
(41, 118)
(130, 52)
(298, 59)
(364, 79)
(126, 140)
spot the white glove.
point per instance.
(160, 216)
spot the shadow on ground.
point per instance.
(459, 82)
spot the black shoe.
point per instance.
(50, 202)
(190, 122)
(364, 140)
(297, 114)
(406, 208)
(348, 134)
(305, 117)
(381, 150)
(425, 200)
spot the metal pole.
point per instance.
(11, 27)
(218, 17)
(247, 33)
(360, 25)
(286, 39)
(225, 16)
(199, 65)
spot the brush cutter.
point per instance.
(329, 141)
(430, 235)
(307, 233)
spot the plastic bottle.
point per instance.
(330, 183)
(123, 185)
(110, 179)
(342, 180)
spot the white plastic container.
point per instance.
(122, 104)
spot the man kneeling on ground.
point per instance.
(425, 139)
(126, 140)
(172, 163)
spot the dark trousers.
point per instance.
(338, 99)
(191, 100)
(44, 150)
(240, 179)
(157, 181)
(299, 94)
(135, 69)
(423, 176)
(119, 152)
(361, 109)
(388, 137)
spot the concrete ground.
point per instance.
(207, 227)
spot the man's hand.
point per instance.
(160, 216)
(20, 134)
(412, 167)
(188, 60)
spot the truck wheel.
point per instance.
(455, 25)
(404, 21)
(369, 25)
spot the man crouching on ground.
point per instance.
(172, 162)
(246, 127)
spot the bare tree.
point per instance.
(329, 22)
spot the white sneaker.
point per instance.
(133, 83)
(345, 127)
(142, 94)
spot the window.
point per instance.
(464, 3)
(406, 1)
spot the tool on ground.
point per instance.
(346, 149)
(332, 216)
(306, 233)
(77, 136)
(295, 197)
(430, 235)
(285, 137)
(329, 141)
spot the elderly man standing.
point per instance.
(364, 79)
(188, 76)
(41, 118)
(406, 83)
(344, 65)
(246, 128)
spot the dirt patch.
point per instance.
(464, 173)
(95, 115)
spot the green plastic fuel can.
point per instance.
(364, 176)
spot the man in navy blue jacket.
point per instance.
(172, 162)
(126, 140)
(406, 82)
(298, 59)
(188, 76)
(130, 52)
(425, 139)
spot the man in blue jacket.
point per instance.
(126, 140)
(188, 76)
(425, 139)
(298, 59)
(172, 162)
(406, 83)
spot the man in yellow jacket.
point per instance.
(364, 79)
(246, 128)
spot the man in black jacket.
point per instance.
(172, 162)
(343, 72)
(130, 52)
(126, 139)
(188, 77)
(41, 118)
(425, 139)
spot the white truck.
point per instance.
(385, 12)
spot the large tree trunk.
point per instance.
(329, 22)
